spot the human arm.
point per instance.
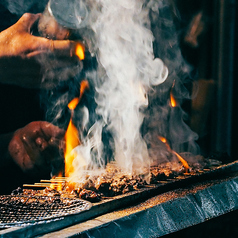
(32, 61)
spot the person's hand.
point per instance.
(34, 147)
(31, 61)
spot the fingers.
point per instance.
(42, 129)
(41, 143)
(69, 48)
(19, 154)
(27, 20)
(62, 48)
(40, 152)
(49, 130)
(58, 48)
(35, 146)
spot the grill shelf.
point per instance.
(19, 210)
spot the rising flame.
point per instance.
(71, 136)
(73, 104)
(164, 140)
(84, 85)
(173, 102)
(182, 160)
(79, 51)
(72, 141)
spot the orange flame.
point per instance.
(173, 102)
(84, 85)
(182, 160)
(73, 104)
(57, 184)
(72, 141)
(71, 136)
(79, 51)
(164, 140)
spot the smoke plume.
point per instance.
(133, 66)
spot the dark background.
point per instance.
(214, 59)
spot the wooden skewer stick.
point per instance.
(36, 186)
(60, 180)
(53, 184)
(52, 181)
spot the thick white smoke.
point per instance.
(127, 69)
(136, 47)
(125, 53)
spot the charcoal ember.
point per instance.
(89, 195)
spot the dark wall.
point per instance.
(235, 94)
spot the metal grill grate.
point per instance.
(17, 210)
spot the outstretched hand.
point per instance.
(25, 59)
(35, 146)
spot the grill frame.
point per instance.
(122, 201)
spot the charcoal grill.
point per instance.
(213, 200)
(19, 210)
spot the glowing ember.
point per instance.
(182, 160)
(79, 51)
